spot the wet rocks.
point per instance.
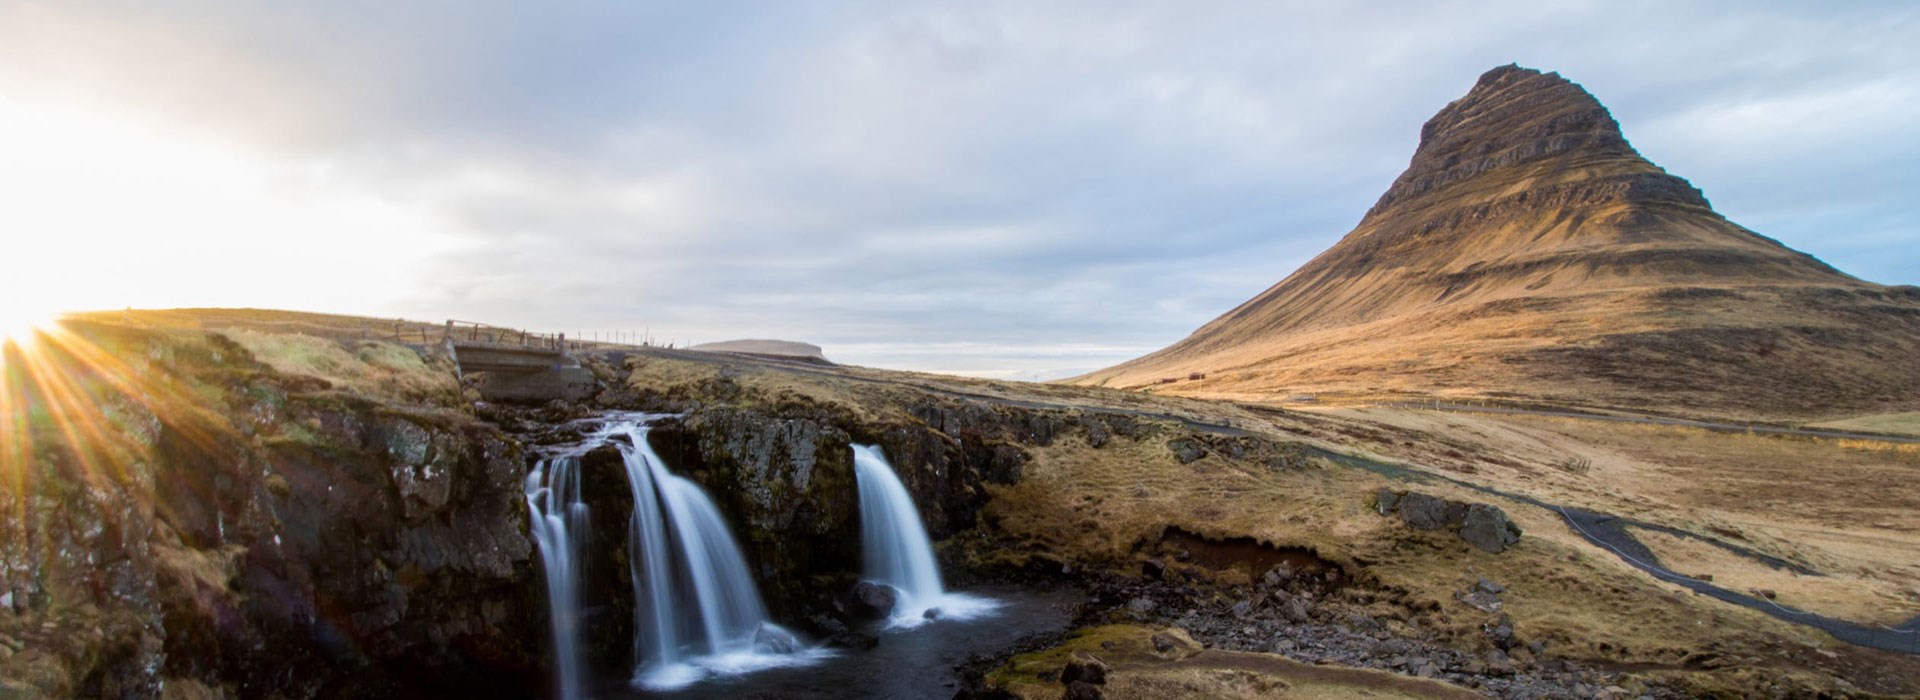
(773, 640)
(782, 467)
(838, 635)
(1482, 525)
(872, 601)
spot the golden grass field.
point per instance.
(1844, 507)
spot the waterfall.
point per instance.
(896, 550)
(697, 610)
(553, 497)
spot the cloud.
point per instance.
(999, 188)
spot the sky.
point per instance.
(1007, 189)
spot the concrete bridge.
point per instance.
(514, 365)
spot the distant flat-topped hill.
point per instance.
(1529, 252)
(785, 349)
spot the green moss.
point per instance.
(1112, 643)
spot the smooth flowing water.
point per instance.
(896, 550)
(915, 663)
(697, 610)
(559, 525)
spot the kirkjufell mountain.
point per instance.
(1529, 252)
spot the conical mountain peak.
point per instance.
(1529, 249)
(1513, 117)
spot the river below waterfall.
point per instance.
(908, 663)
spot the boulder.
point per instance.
(1152, 568)
(1488, 528)
(1187, 450)
(1278, 575)
(1163, 642)
(1423, 512)
(1481, 600)
(771, 639)
(1387, 502)
(872, 601)
(1501, 634)
(1097, 432)
(1298, 610)
(1482, 525)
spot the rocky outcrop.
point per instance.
(1482, 525)
(872, 601)
(229, 528)
(783, 471)
(1514, 116)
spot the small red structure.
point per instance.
(1169, 380)
(1197, 376)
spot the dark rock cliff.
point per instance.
(783, 471)
(184, 518)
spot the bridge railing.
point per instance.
(475, 333)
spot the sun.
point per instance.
(22, 322)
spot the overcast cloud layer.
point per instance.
(1015, 189)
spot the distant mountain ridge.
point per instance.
(1529, 251)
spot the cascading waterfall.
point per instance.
(553, 496)
(697, 611)
(896, 549)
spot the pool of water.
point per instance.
(909, 663)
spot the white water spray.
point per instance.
(896, 549)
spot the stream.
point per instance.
(908, 663)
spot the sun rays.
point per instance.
(20, 323)
(71, 401)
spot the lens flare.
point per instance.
(22, 323)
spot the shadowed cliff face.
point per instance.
(186, 518)
(1525, 232)
(785, 473)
